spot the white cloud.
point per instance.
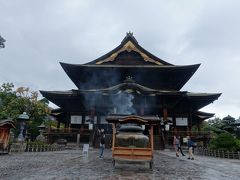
(39, 34)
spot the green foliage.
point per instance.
(224, 141)
(15, 102)
(238, 144)
(51, 123)
(7, 98)
(37, 143)
(225, 125)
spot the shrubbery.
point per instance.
(37, 143)
(225, 142)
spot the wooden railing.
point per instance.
(18, 147)
(42, 148)
(66, 130)
(24, 147)
(193, 133)
(218, 153)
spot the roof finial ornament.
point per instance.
(129, 79)
(129, 33)
(129, 36)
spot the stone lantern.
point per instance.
(22, 119)
(41, 137)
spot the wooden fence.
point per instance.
(217, 153)
(18, 147)
(24, 147)
(42, 148)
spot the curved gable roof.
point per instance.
(129, 46)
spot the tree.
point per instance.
(228, 124)
(7, 96)
(13, 103)
(2, 41)
(224, 141)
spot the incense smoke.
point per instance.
(123, 103)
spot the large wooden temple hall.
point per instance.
(128, 80)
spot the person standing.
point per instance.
(179, 146)
(102, 143)
(190, 148)
(175, 145)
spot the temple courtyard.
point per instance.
(72, 164)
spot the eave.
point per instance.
(195, 101)
(155, 77)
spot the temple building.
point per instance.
(128, 80)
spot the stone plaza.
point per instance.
(73, 164)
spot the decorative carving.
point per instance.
(129, 46)
(129, 79)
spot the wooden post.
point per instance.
(165, 114)
(78, 140)
(113, 137)
(151, 136)
(174, 125)
(190, 122)
(92, 115)
(142, 110)
(93, 112)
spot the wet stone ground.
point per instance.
(71, 164)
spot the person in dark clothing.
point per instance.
(102, 143)
(179, 146)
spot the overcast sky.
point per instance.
(40, 34)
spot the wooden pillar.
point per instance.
(174, 124)
(68, 120)
(190, 123)
(165, 114)
(82, 125)
(142, 110)
(93, 112)
(98, 119)
(92, 115)
(151, 137)
(113, 137)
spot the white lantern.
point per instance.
(167, 127)
(90, 126)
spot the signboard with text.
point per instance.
(181, 121)
(76, 119)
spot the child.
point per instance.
(190, 148)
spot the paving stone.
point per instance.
(71, 164)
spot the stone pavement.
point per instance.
(71, 164)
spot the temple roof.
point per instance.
(181, 101)
(129, 59)
(196, 101)
(127, 52)
(203, 115)
(155, 77)
(158, 83)
(7, 122)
